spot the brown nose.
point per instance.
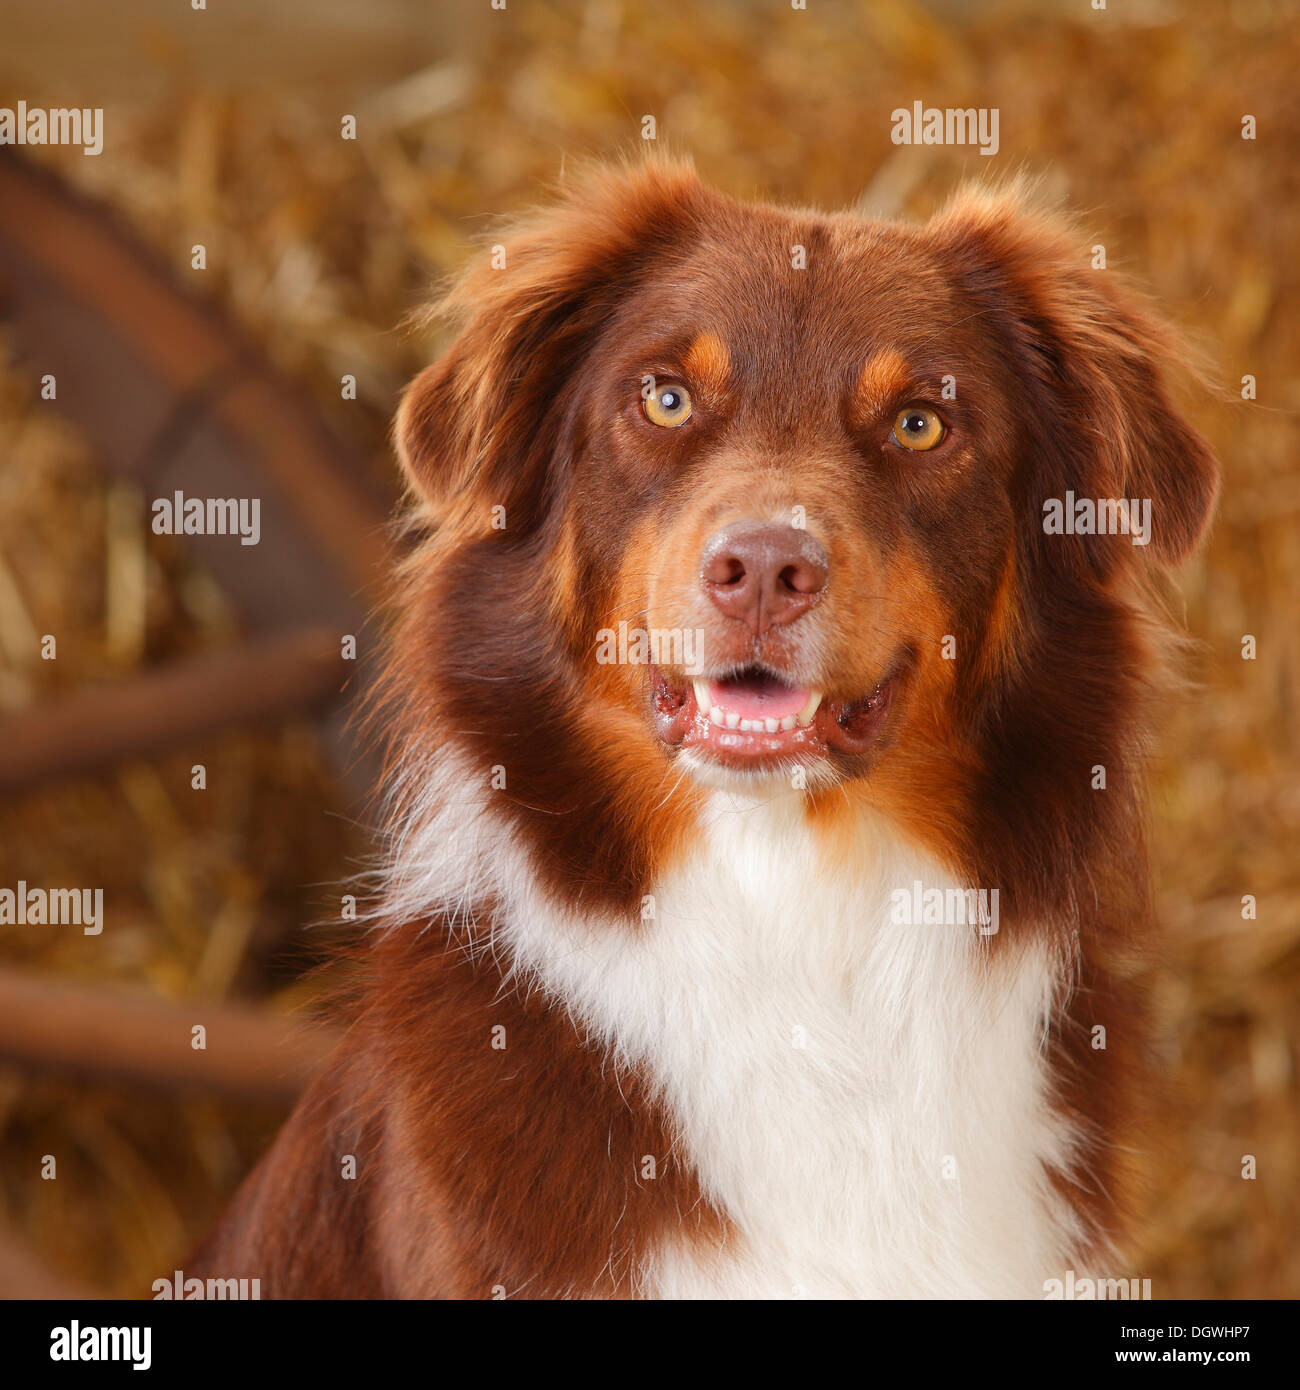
(763, 574)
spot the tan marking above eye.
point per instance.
(669, 404)
(918, 428)
(707, 362)
(882, 379)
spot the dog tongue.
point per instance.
(758, 697)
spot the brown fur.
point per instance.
(518, 1170)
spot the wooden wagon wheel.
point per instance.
(174, 399)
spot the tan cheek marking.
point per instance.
(922, 782)
(708, 362)
(883, 377)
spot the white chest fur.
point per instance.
(865, 1100)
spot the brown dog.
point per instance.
(766, 709)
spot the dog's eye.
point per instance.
(917, 427)
(668, 405)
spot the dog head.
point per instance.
(754, 494)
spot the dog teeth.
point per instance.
(729, 719)
(805, 715)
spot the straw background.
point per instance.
(223, 128)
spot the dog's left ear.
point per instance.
(1093, 353)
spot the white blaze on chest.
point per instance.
(864, 1099)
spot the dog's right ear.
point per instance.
(478, 427)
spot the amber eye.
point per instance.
(918, 427)
(668, 405)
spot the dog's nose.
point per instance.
(763, 574)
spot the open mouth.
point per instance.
(755, 715)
